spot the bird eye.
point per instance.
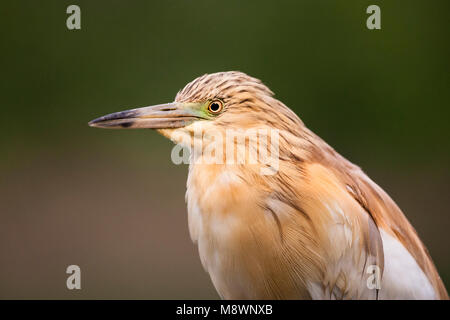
(215, 106)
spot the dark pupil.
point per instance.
(214, 107)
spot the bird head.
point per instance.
(212, 102)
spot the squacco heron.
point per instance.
(314, 227)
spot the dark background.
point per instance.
(112, 202)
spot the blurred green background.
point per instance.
(112, 202)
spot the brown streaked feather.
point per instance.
(377, 203)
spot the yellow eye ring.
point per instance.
(215, 106)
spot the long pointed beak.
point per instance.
(162, 116)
